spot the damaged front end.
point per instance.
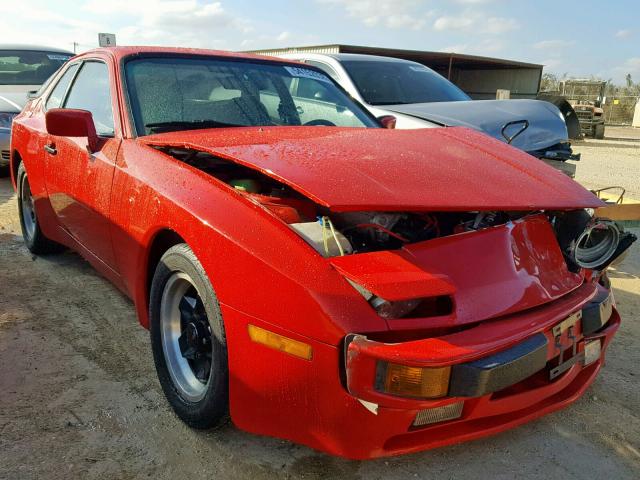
(492, 316)
(455, 259)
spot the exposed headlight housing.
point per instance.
(6, 119)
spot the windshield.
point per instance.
(28, 67)
(187, 93)
(393, 83)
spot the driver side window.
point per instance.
(90, 91)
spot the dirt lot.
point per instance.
(79, 396)
(612, 161)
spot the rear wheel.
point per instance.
(34, 239)
(188, 340)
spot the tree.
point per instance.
(629, 80)
(549, 83)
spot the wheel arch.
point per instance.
(14, 164)
(162, 240)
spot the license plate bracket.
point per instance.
(568, 325)
(564, 366)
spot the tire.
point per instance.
(182, 308)
(34, 239)
(598, 132)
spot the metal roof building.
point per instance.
(479, 77)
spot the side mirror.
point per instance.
(67, 122)
(388, 121)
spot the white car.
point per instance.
(421, 98)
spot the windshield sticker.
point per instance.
(306, 73)
(61, 58)
(418, 68)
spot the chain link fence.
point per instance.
(619, 110)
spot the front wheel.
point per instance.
(34, 239)
(598, 132)
(188, 340)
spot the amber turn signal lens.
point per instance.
(280, 342)
(414, 382)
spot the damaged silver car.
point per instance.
(420, 98)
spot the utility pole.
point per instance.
(75, 45)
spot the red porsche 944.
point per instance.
(305, 271)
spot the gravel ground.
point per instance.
(611, 162)
(79, 396)
(613, 132)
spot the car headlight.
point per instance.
(412, 382)
(6, 118)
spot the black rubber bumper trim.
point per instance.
(500, 370)
(597, 313)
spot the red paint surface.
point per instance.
(392, 277)
(508, 282)
(438, 169)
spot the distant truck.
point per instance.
(587, 98)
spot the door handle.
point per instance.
(50, 148)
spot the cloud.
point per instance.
(387, 13)
(497, 25)
(624, 33)
(453, 23)
(169, 22)
(632, 65)
(34, 24)
(552, 44)
(283, 37)
(476, 22)
(190, 23)
(483, 48)
(553, 63)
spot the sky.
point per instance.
(574, 37)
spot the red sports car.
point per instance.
(317, 277)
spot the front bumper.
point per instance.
(560, 152)
(310, 403)
(5, 146)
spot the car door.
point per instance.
(78, 181)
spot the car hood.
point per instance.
(349, 169)
(546, 124)
(14, 97)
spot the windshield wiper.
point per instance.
(158, 127)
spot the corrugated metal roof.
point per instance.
(436, 59)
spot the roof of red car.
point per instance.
(120, 52)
